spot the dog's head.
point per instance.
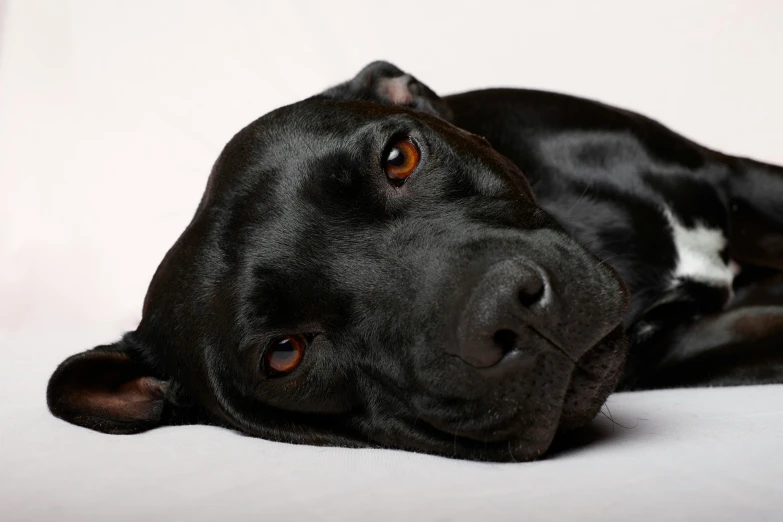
(362, 274)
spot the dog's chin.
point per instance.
(502, 445)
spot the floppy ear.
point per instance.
(382, 82)
(107, 389)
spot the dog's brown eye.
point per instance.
(401, 160)
(285, 354)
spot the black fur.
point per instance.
(299, 231)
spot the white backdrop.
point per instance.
(112, 112)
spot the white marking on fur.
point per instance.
(698, 253)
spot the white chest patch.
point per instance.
(698, 253)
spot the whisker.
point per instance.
(607, 259)
(580, 197)
(511, 453)
(611, 418)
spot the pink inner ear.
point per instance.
(396, 89)
(142, 389)
(115, 387)
(140, 398)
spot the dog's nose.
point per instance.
(498, 310)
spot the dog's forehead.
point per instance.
(281, 143)
(331, 119)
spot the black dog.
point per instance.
(368, 274)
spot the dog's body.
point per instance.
(438, 307)
(671, 216)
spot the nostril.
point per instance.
(508, 297)
(505, 340)
(531, 292)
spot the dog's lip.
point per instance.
(591, 351)
(505, 426)
(595, 376)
